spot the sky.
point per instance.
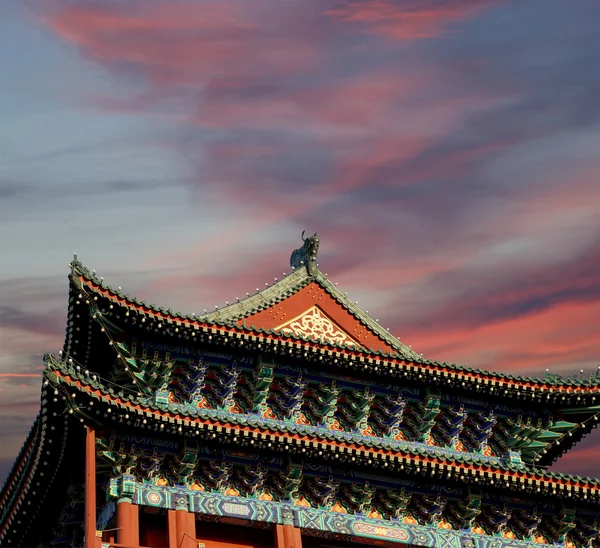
(446, 152)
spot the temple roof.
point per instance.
(309, 305)
(306, 316)
(305, 306)
(300, 342)
(124, 403)
(71, 395)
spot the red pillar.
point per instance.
(90, 487)
(172, 529)
(297, 537)
(181, 521)
(279, 539)
(185, 535)
(192, 524)
(125, 523)
(287, 536)
(135, 524)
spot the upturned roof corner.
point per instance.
(295, 373)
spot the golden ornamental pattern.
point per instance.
(316, 325)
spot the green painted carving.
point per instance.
(218, 474)
(467, 510)
(291, 396)
(423, 418)
(224, 389)
(323, 404)
(513, 457)
(496, 518)
(450, 425)
(357, 409)
(149, 375)
(390, 416)
(192, 381)
(430, 508)
(252, 478)
(563, 523)
(122, 487)
(586, 532)
(394, 502)
(151, 463)
(256, 393)
(289, 482)
(528, 521)
(121, 460)
(358, 497)
(184, 465)
(482, 427)
(323, 491)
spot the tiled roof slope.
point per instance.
(75, 380)
(234, 318)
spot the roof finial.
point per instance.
(307, 254)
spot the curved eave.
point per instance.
(249, 431)
(30, 482)
(553, 390)
(20, 468)
(568, 440)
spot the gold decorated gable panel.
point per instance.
(315, 324)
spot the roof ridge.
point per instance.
(365, 318)
(294, 281)
(218, 319)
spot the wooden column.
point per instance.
(172, 524)
(297, 537)
(135, 524)
(90, 487)
(125, 523)
(181, 521)
(287, 536)
(192, 524)
(279, 540)
(185, 535)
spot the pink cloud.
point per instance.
(580, 460)
(176, 44)
(244, 64)
(561, 337)
(408, 20)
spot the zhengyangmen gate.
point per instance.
(288, 418)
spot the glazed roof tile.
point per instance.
(59, 371)
(232, 317)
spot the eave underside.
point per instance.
(154, 351)
(131, 368)
(322, 482)
(580, 392)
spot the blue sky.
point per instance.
(445, 151)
